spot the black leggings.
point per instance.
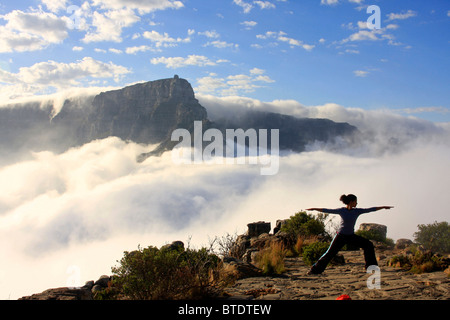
(338, 242)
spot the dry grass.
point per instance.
(271, 259)
(302, 242)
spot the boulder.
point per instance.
(378, 228)
(239, 269)
(102, 282)
(89, 285)
(261, 241)
(278, 225)
(250, 255)
(176, 245)
(241, 244)
(255, 229)
(403, 243)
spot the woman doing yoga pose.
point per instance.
(345, 234)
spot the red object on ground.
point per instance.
(344, 297)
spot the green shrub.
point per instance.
(314, 251)
(434, 237)
(305, 225)
(167, 273)
(371, 235)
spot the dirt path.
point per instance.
(350, 279)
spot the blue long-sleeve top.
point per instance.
(348, 217)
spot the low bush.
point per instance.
(434, 237)
(420, 262)
(314, 251)
(166, 273)
(303, 224)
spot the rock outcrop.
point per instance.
(86, 292)
(63, 293)
(374, 227)
(403, 243)
(145, 112)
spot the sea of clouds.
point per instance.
(71, 215)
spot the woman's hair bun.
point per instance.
(346, 199)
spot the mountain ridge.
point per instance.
(146, 113)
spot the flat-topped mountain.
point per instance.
(144, 113)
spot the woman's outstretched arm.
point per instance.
(315, 209)
(324, 210)
(334, 210)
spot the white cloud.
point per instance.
(438, 110)
(210, 34)
(31, 31)
(257, 71)
(308, 47)
(364, 35)
(43, 75)
(371, 35)
(362, 25)
(179, 62)
(143, 6)
(77, 48)
(114, 50)
(136, 49)
(45, 25)
(401, 16)
(108, 25)
(249, 24)
(247, 7)
(265, 4)
(221, 44)
(281, 36)
(392, 26)
(55, 5)
(334, 2)
(233, 84)
(329, 2)
(213, 34)
(383, 131)
(361, 73)
(352, 51)
(164, 40)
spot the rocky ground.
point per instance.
(346, 278)
(350, 279)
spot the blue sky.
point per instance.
(314, 51)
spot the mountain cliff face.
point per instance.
(144, 113)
